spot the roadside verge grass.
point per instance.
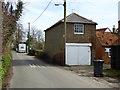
(112, 73)
(4, 65)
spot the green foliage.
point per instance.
(13, 49)
(112, 73)
(19, 9)
(31, 52)
(68, 66)
(5, 64)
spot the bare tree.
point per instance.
(18, 35)
(36, 39)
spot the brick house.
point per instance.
(104, 41)
(79, 48)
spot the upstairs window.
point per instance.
(78, 29)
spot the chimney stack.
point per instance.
(114, 29)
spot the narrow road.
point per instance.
(30, 72)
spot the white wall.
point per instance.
(119, 11)
(108, 30)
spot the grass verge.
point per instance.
(112, 73)
(4, 66)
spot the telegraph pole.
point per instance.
(28, 36)
(64, 31)
(65, 20)
(64, 37)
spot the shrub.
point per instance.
(42, 55)
(32, 52)
(13, 49)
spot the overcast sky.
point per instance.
(104, 12)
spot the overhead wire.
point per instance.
(42, 12)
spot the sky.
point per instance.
(104, 12)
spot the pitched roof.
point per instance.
(75, 18)
(103, 29)
(107, 39)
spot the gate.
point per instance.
(115, 57)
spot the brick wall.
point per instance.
(0, 30)
(100, 53)
(89, 36)
(54, 43)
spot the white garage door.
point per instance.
(77, 54)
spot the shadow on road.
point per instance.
(33, 61)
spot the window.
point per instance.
(108, 50)
(78, 29)
(22, 47)
(109, 54)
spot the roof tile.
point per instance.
(107, 39)
(75, 18)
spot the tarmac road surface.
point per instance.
(29, 72)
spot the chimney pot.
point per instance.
(114, 29)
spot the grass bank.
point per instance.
(4, 66)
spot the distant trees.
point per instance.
(12, 31)
(36, 39)
(11, 14)
(18, 35)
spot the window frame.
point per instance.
(108, 50)
(78, 32)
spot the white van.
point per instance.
(22, 48)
